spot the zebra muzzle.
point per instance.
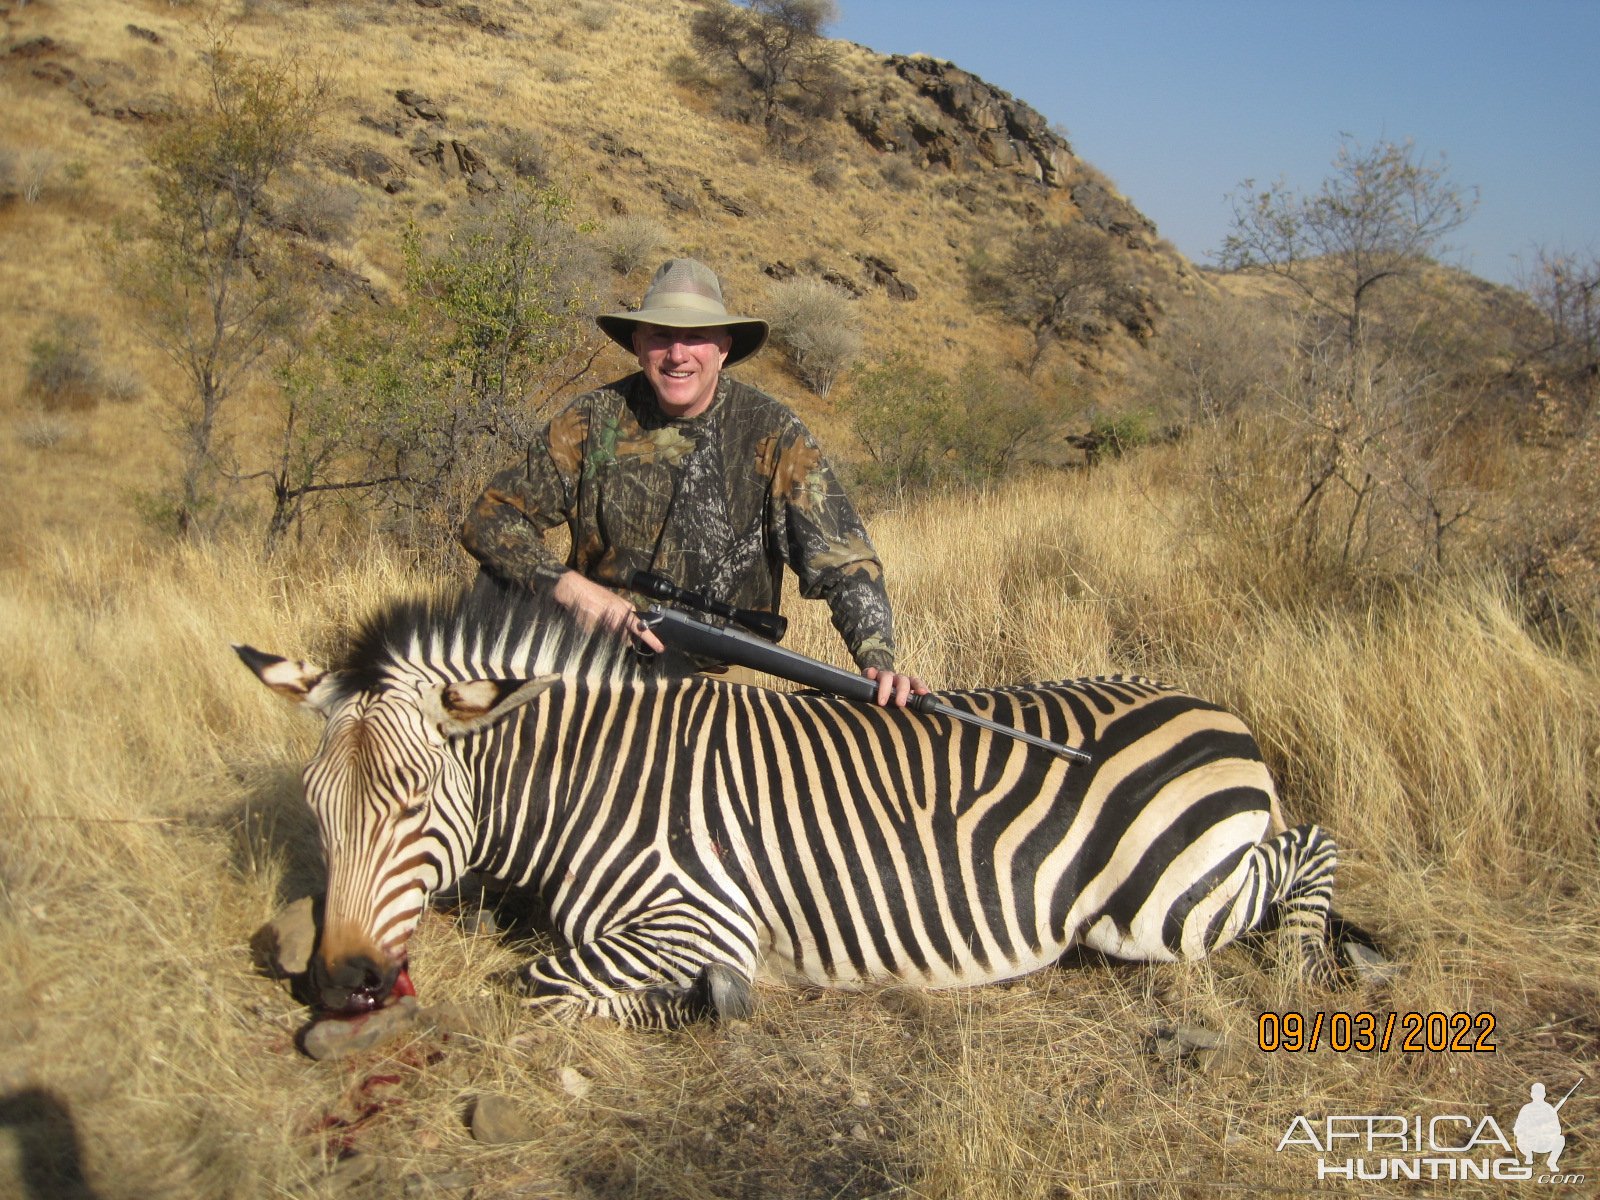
(358, 985)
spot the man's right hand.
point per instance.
(598, 607)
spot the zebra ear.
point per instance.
(297, 682)
(474, 704)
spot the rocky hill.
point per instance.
(886, 198)
(888, 187)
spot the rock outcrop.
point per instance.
(964, 124)
(957, 122)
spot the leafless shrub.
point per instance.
(629, 242)
(1350, 466)
(43, 431)
(122, 386)
(321, 209)
(899, 173)
(1214, 358)
(827, 175)
(1565, 288)
(524, 152)
(557, 68)
(34, 172)
(595, 17)
(818, 327)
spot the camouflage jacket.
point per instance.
(717, 503)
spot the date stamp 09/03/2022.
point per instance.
(1369, 1032)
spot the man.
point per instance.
(679, 470)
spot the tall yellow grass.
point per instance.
(149, 794)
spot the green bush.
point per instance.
(923, 431)
(901, 413)
(62, 372)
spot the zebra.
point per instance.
(688, 835)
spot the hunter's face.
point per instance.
(682, 365)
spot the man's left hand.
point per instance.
(894, 688)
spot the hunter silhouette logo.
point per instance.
(1538, 1127)
(1444, 1146)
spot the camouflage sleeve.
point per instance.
(828, 548)
(504, 529)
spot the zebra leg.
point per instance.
(1290, 886)
(636, 980)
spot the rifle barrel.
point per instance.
(684, 633)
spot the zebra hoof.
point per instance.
(727, 992)
(1368, 964)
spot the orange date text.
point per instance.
(1368, 1032)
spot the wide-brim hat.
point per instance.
(685, 294)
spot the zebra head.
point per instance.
(394, 808)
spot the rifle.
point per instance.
(690, 636)
(1568, 1096)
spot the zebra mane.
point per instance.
(488, 630)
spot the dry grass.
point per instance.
(150, 796)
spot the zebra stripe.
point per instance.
(686, 834)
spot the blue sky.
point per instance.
(1178, 101)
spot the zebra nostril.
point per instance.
(354, 985)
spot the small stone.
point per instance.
(574, 1082)
(500, 1121)
(418, 1184)
(1178, 1041)
(350, 1169)
(283, 945)
(464, 1019)
(339, 1037)
(858, 1132)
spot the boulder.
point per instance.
(883, 275)
(282, 947)
(418, 105)
(500, 1121)
(340, 1037)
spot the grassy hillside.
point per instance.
(1431, 701)
(602, 99)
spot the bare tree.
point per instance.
(1564, 287)
(1380, 215)
(772, 45)
(1056, 280)
(207, 281)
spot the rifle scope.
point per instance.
(764, 624)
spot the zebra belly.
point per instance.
(778, 964)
